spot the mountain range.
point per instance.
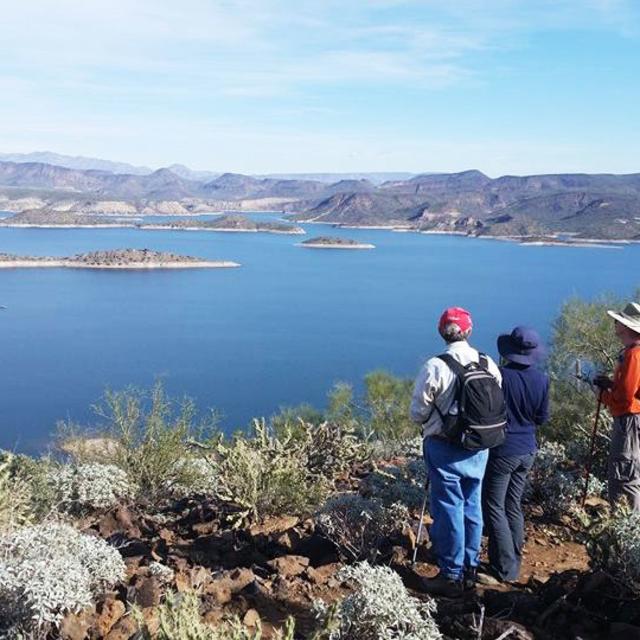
(603, 206)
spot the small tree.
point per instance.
(387, 400)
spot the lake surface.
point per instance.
(278, 331)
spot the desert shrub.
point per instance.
(197, 476)
(557, 483)
(614, 546)
(161, 571)
(331, 448)
(179, 619)
(401, 483)
(386, 400)
(15, 497)
(268, 476)
(147, 436)
(85, 487)
(380, 608)
(49, 570)
(582, 332)
(357, 526)
(288, 420)
(26, 495)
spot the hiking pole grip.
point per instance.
(592, 447)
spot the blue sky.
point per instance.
(257, 86)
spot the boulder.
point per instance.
(109, 612)
(289, 566)
(124, 629)
(148, 592)
(75, 626)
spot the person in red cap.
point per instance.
(455, 472)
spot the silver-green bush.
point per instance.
(49, 570)
(89, 486)
(380, 608)
(357, 525)
(556, 483)
(401, 483)
(614, 546)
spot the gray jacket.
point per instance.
(435, 384)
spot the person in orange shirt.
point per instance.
(622, 396)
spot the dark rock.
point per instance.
(148, 593)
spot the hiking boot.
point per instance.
(442, 586)
(470, 578)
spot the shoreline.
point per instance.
(153, 227)
(336, 246)
(150, 227)
(596, 243)
(69, 264)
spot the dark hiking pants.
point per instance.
(624, 460)
(504, 484)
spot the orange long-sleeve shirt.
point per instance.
(624, 396)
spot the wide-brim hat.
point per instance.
(522, 346)
(629, 316)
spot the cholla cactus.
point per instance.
(49, 570)
(404, 484)
(379, 609)
(614, 545)
(357, 525)
(89, 486)
(556, 484)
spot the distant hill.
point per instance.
(74, 162)
(603, 206)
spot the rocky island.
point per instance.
(114, 259)
(334, 242)
(229, 223)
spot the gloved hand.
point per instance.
(603, 382)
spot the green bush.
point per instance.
(613, 545)
(147, 436)
(26, 493)
(387, 399)
(582, 332)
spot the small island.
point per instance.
(228, 223)
(114, 259)
(334, 242)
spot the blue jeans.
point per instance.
(455, 475)
(504, 484)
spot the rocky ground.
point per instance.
(281, 566)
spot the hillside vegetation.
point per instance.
(152, 524)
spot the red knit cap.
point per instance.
(456, 315)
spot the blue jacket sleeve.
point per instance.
(542, 414)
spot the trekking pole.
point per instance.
(591, 450)
(421, 525)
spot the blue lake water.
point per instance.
(278, 331)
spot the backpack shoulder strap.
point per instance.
(457, 368)
(484, 361)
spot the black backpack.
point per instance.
(481, 420)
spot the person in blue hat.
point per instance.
(526, 392)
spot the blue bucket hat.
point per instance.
(522, 346)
